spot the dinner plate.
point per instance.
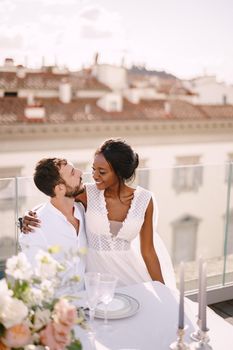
(121, 306)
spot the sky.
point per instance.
(186, 38)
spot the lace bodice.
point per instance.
(115, 227)
(98, 226)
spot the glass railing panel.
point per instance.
(191, 204)
(7, 220)
(228, 219)
(29, 196)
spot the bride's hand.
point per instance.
(29, 221)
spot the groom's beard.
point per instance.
(74, 192)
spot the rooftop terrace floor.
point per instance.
(224, 309)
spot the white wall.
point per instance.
(90, 93)
(112, 76)
(210, 91)
(111, 102)
(38, 93)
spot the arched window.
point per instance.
(188, 174)
(184, 238)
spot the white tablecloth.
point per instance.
(154, 326)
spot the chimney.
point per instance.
(167, 107)
(9, 62)
(34, 111)
(87, 109)
(25, 61)
(42, 62)
(65, 91)
(21, 71)
(30, 99)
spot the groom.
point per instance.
(62, 219)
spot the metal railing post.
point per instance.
(227, 221)
(16, 213)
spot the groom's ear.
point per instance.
(59, 189)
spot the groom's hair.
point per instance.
(47, 174)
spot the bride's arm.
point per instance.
(82, 197)
(147, 246)
(30, 220)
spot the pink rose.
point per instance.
(61, 328)
(55, 336)
(65, 313)
(47, 337)
(17, 336)
(3, 346)
(62, 333)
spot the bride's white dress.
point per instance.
(119, 252)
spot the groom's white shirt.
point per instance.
(57, 230)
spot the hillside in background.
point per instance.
(141, 70)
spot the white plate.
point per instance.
(122, 306)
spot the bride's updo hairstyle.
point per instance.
(121, 157)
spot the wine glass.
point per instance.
(92, 282)
(106, 292)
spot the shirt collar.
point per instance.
(57, 211)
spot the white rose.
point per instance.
(35, 297)
(4, 290)
(47, 267)
(14, 312)
(36, 339)
(47, 289)
(34, 347)
(5, 294)
(19, 267)
(41, 318)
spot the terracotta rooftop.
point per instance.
(48, 81)
(87, 82)
(222, 111)
(175, 90)
(12, 111)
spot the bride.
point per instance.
(120, 218)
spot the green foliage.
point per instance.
(20, 288)
(75, 345)
(2, 330)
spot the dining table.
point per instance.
(152, 322)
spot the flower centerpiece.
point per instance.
(32, 316)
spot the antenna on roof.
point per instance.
(167, 107)
(25, 61)
(96, 58)
(55, 61)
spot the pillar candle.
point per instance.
(181, 305)
(203, 298)
(199, 286)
